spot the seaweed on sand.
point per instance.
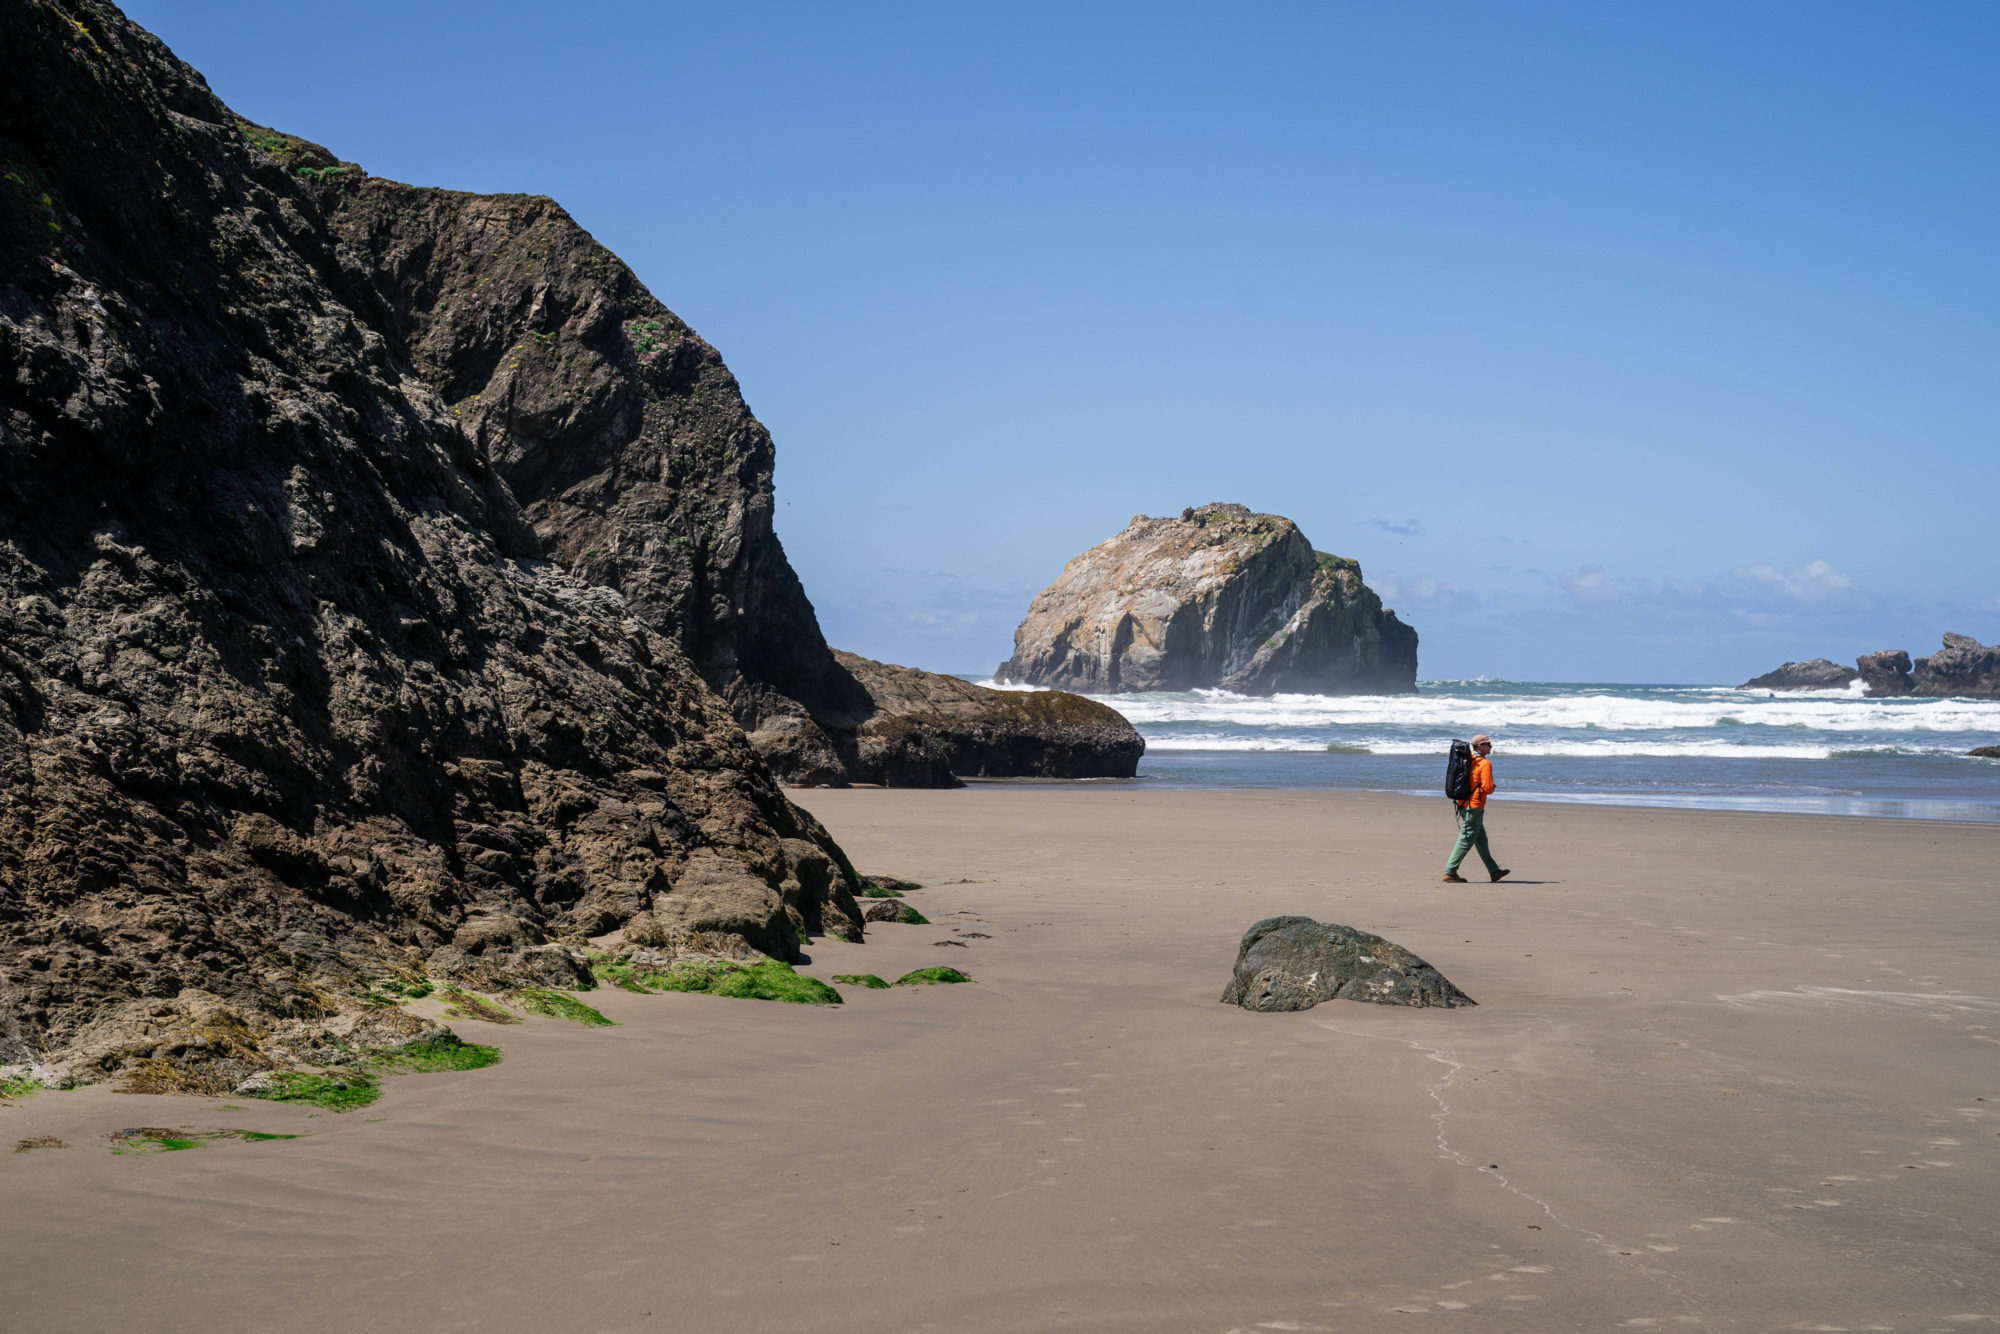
(771, 980)
(927, 976)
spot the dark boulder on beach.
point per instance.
(1818, 674)
(1219, 597)
(1887, 673)
(1294, 963)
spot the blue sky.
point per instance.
(1618, 342)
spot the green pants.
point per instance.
(1471, 834)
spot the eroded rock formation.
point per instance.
(291, 702)
(1818, 674)
(1219, 597)
(1886, 673)
(1294, 963)
(1962, 667)
(642, 469)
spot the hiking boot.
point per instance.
(1452, 878)
(1501, 875)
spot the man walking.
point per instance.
(1472, 816)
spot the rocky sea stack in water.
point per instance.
(1219, 597)
(1819, 674)
(1962, 668)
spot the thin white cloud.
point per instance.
(1407, 528)
(1420, 592)
(1815, 581)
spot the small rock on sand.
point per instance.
(1294, 963)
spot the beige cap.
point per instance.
(1482, 740)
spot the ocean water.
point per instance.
(1832, 752)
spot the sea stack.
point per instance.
(1963, 667)
(1218, 597)
(1818, 674)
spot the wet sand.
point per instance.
(1728, 1072)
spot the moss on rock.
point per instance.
(930, 976)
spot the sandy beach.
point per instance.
(1727, 1072)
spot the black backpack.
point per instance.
(1458, 773)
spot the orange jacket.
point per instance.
(1482, 783)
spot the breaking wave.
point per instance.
(1698, 745)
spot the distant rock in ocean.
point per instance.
(1887, 673)
(1819, 674)
(1963, 668)
(1985, 753)
(1219, 597)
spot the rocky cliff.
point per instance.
(1219, 597)
(293, 702)
(642, 469)
(1818, 674)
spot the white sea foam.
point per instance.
(1683, 709)
(1600, 749)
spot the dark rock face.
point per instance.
(1886, 673)
(1964, 667)
(1985, 753)
(1218, 597)
(1294, 963)
(1818, 674)
(974, 732)
(641, 468)
(622, 433)
(290, 702)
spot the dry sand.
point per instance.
(1728, 1072)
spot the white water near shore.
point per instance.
(1714, 746)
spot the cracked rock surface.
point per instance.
(1217, 598)
(642, 470)
(292, 703)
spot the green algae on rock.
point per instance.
(154, 1139)
(866, 980)
(557, 1005)
(464, 1005)
(884, 887)
(773, 981)
(930, 976)
(343, 1092)
(432, 1055)
(15, 1087)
